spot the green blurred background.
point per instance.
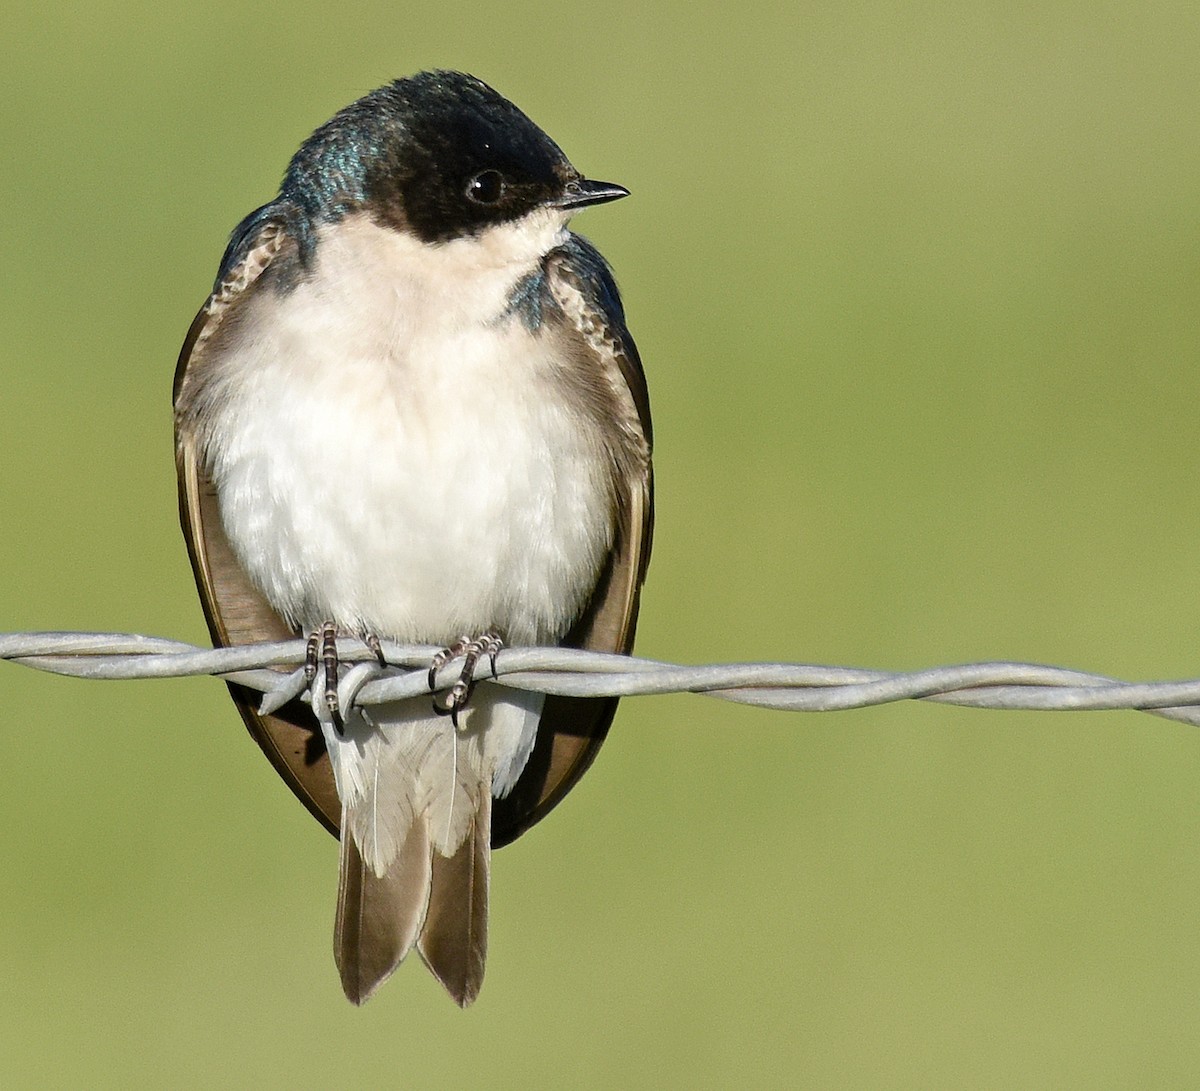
(916, 289)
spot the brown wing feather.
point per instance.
(238, 614)
(572, 729)
(234, 609)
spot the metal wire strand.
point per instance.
(276, 671)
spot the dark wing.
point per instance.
(236, 612)
(580, 285)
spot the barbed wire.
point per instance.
(796, 687)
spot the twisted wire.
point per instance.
(277, 671)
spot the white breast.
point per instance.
(393, 455)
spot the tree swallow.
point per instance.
(410, 410)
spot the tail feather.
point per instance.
(416, 835)
(379, 917)
(453, 940)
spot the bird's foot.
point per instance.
(322, 649)
(472, 649)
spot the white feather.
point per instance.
(391, 453)
(392, 458)
(404, 760)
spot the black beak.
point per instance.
(581, 192)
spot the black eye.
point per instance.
(486, 188)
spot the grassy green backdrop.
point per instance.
(916, 286)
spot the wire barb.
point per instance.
(277, 671)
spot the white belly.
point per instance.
(415, 486)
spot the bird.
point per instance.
(410, 411)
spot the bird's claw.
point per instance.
(322, 647)
(472, 649)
